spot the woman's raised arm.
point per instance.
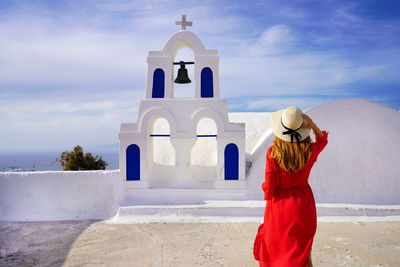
(311, 125)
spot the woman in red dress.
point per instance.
(290, 220)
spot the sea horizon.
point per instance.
(23, 161)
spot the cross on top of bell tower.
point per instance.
(183, 22)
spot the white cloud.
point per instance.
(276, 35)
(75, 57)
(45, 124)
(344, 17)
(273, 40)
(301, 73)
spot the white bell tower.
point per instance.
(138, 140)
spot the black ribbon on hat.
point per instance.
(293, 133)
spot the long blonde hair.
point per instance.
(291, 156)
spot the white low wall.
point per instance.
(59, 195)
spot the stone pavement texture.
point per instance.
(98, 243)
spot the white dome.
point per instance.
(360, 163)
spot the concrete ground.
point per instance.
(98, 243)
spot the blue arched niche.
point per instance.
(207, 88)
(158, 84)
(133, 163)
(231, 156)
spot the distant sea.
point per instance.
(45, 161)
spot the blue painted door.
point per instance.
(207, 88)
(133, 163)
(158, 84)
(231, 156)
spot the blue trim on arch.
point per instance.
(158, 84)
(231, 156)
(133, 163)
(207, 88)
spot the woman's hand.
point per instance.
(309, 124)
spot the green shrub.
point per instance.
(76, 160)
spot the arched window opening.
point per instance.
(231, 157)
(204, 152)
(158, 84)
(184, 90)
(163, 151)
(133, 163)
(207, 88)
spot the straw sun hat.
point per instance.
(287, 124)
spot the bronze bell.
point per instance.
(183, 76)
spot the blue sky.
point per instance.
(72, 71)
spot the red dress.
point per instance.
(290, 219)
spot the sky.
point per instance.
(72, 71)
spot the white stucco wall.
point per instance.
(57, 195)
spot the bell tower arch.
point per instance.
(206, 61)
(183, 73)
